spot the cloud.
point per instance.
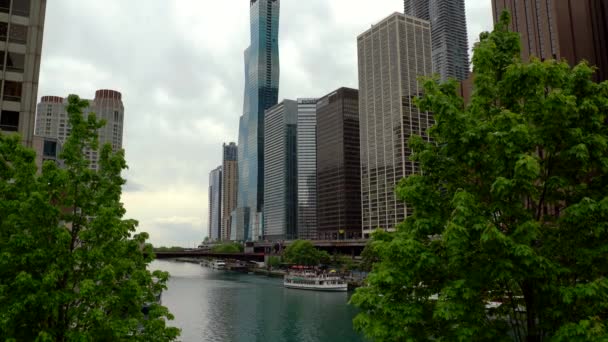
(179, 66)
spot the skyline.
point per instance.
(183, 88)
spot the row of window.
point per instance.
(17, 33)
(20, 7)
(14, 61)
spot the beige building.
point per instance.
(21, 31)
(229, 188)
(52, 120)
(392, 55)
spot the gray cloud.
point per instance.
(179, 65)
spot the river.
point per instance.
(221, 306)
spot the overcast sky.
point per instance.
(179, 66)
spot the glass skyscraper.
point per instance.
(261, 93)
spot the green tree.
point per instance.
(511, 208)
(274, 261)
(302, 252)
(232, 247)
(368, 257)
(71, 268)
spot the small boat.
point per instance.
(218, 265)
(314, 281)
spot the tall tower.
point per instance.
(52, 120)
(307, 169)
(21, 31)
(448, 33)
(392, 55)
(573, 30)
(261, 93)
(229, 187)
(215, 204)
(280, 205)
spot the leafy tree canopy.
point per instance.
(509, 235)
(71, 268)
(232, 247)
(302, 252)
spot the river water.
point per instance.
(221, 306)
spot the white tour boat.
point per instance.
(314, 281)
(218, 264)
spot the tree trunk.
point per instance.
(530, 299)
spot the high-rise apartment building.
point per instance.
(280, 172)
(52, 120)
(307, 169)
(338, 166)
(392, 55)
(21, 31)
(449, 39)
(261, 93)
(229, 187)
(573, 30)
(215, 204)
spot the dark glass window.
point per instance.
(9, 121)
(3, 30)
(5, 5)
(18, 34)
(12, 91)
(21, 7)
(50, 149)
(14, 61)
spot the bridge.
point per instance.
(200, 253)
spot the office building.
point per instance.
(21, 31)
(215, 204)
(450, 46)
(229, 187)
(392, 55)
(338, 166)
(261, 93)
(52, 120)
(572, 30)
(280, 172)
(307, 169)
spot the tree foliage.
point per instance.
(71, 268)
(302, 252)
(510, 208)
(233, 247)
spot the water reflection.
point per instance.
(221, 306)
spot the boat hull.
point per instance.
(338, 288)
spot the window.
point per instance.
(3, 31)
(12, 91)
(18, 34)
(15, 62)
(5, 5)
(50, 149)
(21, 7)
(9, 121)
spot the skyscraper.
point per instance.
(229, 187)
(261, 93)
(21, 31)
(52, 120)
(338, 166)
(573, 30)
(215, 204)
(448, 33)
(392, 55)
(307, 169)
(280, 172)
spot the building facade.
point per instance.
(338, 166)
(450, 46)
(573, 30)
(47, 149)
(280, 172)
(229, 187)
(21, 31)
(307, 169)
(215, 204)
(261, 92)
(392, 55)
(52, 120)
